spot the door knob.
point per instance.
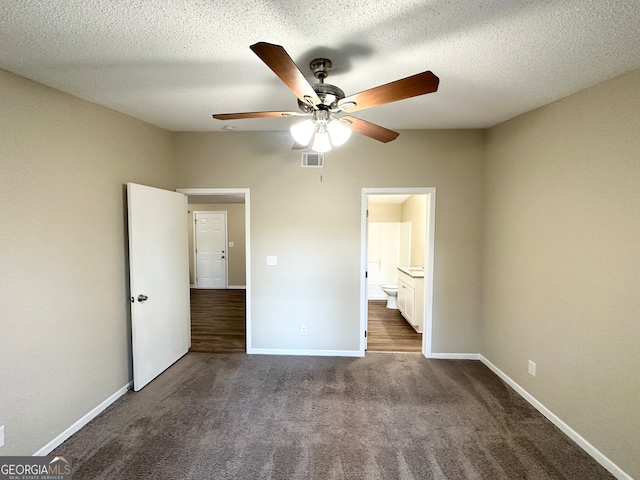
(142, 298)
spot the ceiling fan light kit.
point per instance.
(322, 132)
(324, 102)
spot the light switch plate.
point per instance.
(272, 260)
(232, 244)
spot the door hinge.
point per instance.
(366, 274)
(365, 334)
(367, 213)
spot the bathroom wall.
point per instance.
(385, 212)
(384, 251)
(389, 246)
(414, 210)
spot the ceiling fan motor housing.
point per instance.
(329, 96)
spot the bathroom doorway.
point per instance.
(397, 262)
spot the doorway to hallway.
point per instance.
(221, 317)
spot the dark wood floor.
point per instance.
(218, 324)
(218, 321)
(388, 331)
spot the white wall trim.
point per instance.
(318, 353)
(56, 442)
(566, 429)
(455, 356)
(237, 287)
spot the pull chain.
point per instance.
(321, 168)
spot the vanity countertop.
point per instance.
(415, 272)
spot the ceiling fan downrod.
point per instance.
(320, 68)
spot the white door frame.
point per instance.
(429, 254)
(247, 234)
(195, 246)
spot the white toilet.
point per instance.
(392, 295)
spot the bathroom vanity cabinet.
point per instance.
(411, 296)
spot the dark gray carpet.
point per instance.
(385, 416)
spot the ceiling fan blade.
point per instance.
(241, 116)
(419, 84)
(370, 129)
(278, 60)
(298, 146)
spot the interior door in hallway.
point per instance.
(159, 279)
(211, 246)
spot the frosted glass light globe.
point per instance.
(338, 132)
(321, 143)
(302, 132)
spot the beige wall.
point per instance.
(314, 228)
(561, 261)
(385, 212)
(414, 210)
(235, 233)
(64, 325)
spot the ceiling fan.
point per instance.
(324, 103)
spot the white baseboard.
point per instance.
(56, 442)
(321, 353)
(566, 429)
(455, 356)
(228, 287)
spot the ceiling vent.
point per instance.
(312, 160)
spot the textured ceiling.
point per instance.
(175, 63)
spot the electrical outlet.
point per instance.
(2, 436)
(303, 330)
(272, 260)
(532, 368)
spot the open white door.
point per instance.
(159, 279)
